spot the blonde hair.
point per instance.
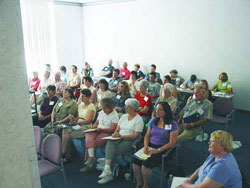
(224, 139)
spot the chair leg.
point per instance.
(162, 173)
(63, 173)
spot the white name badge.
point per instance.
(84, 111)
(115, 82)
(146, 98)
(34, 83)
(200, 111)
(224, 84)
(168, 127)
(118, 96)
(60, 104)
(123, 73)
(51, 102)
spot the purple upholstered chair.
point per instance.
(38, 140)
(223, 111)
(52, 156)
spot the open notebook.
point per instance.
(177, 181)
(141, 155)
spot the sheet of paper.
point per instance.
(111, 138)
(89, 130)
(141, 155)
(177, 181)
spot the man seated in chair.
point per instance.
(197, 112)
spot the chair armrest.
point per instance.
(165, 155)
(231, 113)
(136, 141)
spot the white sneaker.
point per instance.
(105, 173)
(106, 179)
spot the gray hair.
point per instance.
(107, 102)
(144, 84)
(58, 74)
(133, 103)
(168, 87)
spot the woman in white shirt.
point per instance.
(129, 128)
(105, 126)
(103, 92)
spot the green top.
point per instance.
(222, 86)
(63, 108)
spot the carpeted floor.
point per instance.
(239, 129)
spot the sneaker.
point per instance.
(90, 160)
(106, 179)
(87, 168)
(105, 173)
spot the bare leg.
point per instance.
(65, 140)
(138, 174)
(146, 173)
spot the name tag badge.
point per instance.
(168, 127)
(84, 111)
(60, 104)
(123, 73)
(200, 111)
(224, 84)
(51, 103)
(118, 96)
(34, 83)
(115, 82)
(106, 68)
(146, 98)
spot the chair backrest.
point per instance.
(223, 106)
(38, 138)
(52, 148)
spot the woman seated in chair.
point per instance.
(103, 92)
(122, 95)
(64, 107)
(129, 128)
(86, 114)
(87, 83)
(105, 125)
(220, 169)
(168, 97)
(161, 135)
(223, 85)
(145, 101)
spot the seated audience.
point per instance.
(46, 108)
(42, 89)
(48, 68)
(158, 76)
(60, 85)
(176, 79)
(89, 69)
(84, 73)
(191, 83)
(122, 95)
(223, 85)
(208, 94)
(87, 83)
(74, 81)
(103, 92)
(34, 82)
(134, 83)
(105, 125)
(220, 169)
(161, 135)
(197, 112)
(145, 101)
(107, 71)
(153, 87)
(114, 82)
(139, 74)
(63, 71)
(86, 114)
(167, 79)
(124, 72)
(129, 128)
(64, 107)
(168, 97)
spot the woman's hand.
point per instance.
(146, 151)
(55, 122)
(116, 135)
(185, 183)
(41, 117)
(153, 151)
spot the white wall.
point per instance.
(69, 34)
(195, 36)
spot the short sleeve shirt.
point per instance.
(129, 127)
(222, 86)
(48, 105)
(62, 109)
(84, 111)
(225, 171)
(144, 101)
(114, 83)
(154, 89)
(161, 136)
(105, 120)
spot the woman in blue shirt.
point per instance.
(220, 168)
